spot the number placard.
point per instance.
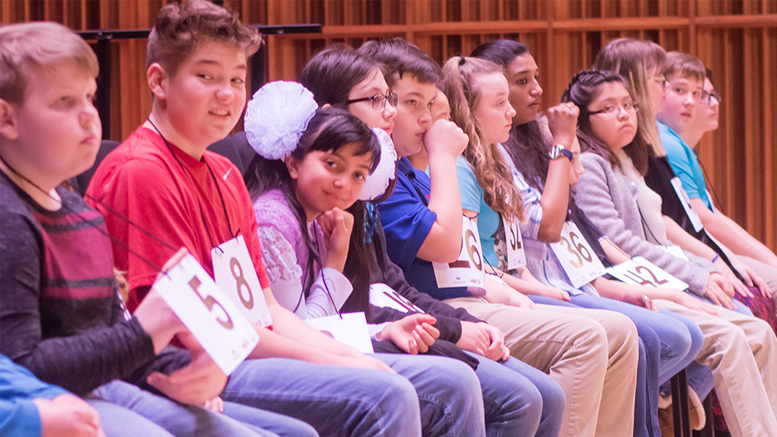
(216, 323)
(639, 271)
(687, 205)
(576, 256)
(351, 329)
(381, 295)
(234, 273)
(516, 257)
(467, 270)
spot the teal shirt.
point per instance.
(472, 198)
(685, 164)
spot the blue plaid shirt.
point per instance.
(540, 258)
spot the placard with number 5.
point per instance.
(216, 323)
(235, 275)
(578, 259)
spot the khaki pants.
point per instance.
(741, 351)
(591, 354)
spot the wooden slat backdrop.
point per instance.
(736, 39)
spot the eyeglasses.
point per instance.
(378, 101)
(659, 79)
(613, 110)
(705, 97)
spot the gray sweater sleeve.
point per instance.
(604, 196)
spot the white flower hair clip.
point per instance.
(276, 117)
(377, 183)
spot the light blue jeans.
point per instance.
(519, 400)
(127, 411)
(442, 396)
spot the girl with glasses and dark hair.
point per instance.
(518, 397)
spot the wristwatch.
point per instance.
(558, 151)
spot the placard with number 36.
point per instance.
(576, 256)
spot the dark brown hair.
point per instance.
(402, 57)
(181, 27)
(582, 90)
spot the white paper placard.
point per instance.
(467, 270)
(235, 275)
(639, 271)
(712, 204)
(516, 256)
(676, 251)
(211, 317)
(578, 259)
(687, 205)
(351, 330)
(381, 295)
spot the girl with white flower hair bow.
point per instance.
(306, 182)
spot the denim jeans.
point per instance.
(519, 399)
(127, 411)
(336, 401)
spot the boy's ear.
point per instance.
(293, 166)
(327, 105)
(158, 79)
(8, 123)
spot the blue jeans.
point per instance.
(336, 401)
(449, 393)
(127, 411)
(666, 346)
(519, 399)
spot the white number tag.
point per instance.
(467, 271)
(576, 256)
(516, 257)
(639, 271)
(712, 204)
(235, 274)
(351, 330)
(381, 295)
(687, 205)
(207, 313)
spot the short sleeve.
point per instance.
(470, 191)
(406, 221)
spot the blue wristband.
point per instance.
(717, 255)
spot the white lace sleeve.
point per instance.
(284, 273)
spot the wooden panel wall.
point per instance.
(736, 39)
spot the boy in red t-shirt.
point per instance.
(163, 179)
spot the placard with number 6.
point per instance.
(578, 259)
(235, 275)
(639, 271)
(467, 270)
(216, 323)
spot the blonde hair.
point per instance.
(38, 45)
(633, 59)
(491, 169)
